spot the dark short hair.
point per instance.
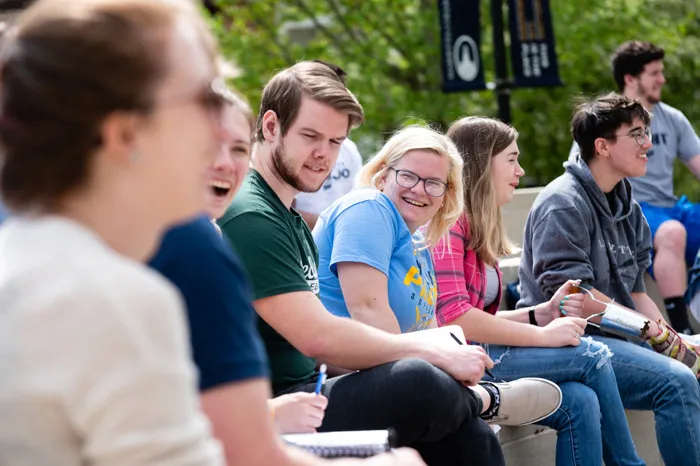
(318, 81)
(601, 118)
(631, 58)
(63, 69)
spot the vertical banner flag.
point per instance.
(532, 53)
(461, 46)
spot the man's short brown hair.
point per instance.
(316, 80)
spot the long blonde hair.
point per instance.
(421, 138)
(478, 140)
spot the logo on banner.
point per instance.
(465, 56)
(532, 51)
(460, 30)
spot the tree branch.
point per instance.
(341, 19)
(330, 36)
(269, 26)
(408, 78)
(387, 37)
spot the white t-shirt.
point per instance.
(94, 356)
(338, 183)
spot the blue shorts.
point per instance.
(685, 212)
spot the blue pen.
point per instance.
(321, 379)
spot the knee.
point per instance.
(579, 410)
(429, 393)
(671, 236)
(596, 355)
(423, 379)
(580, 398)
(683, 381)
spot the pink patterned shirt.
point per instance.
(461, 276)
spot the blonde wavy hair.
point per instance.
(478, 140)
(421, 138)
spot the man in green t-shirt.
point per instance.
(401, 381)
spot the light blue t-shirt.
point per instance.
(364, 226)
(673, 137)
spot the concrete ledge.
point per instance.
(536, 445)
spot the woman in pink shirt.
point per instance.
(532, 342)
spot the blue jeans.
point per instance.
(651, 381)
(591, 423)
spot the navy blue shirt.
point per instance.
(226, 346)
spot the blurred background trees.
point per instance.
(391, 52)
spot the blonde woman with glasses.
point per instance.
(375, 267)
(105, 133)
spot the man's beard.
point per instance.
(643, 94)
(286, 174)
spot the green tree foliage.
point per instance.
(391, 52)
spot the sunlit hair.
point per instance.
(238, 102)
(320, 81)
(479, 139)
(421, 138)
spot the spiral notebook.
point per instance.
(357, 444)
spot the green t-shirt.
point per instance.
(279, 252)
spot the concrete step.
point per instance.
(536, 445)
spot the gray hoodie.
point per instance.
(571, 233)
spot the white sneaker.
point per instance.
(526, 401)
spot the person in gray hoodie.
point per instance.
(585, 225)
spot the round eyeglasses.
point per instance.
(639, 135)
(408, 179)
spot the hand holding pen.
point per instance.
(459, 342)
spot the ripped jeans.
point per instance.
(591, 423)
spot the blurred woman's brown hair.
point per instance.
(64, 67)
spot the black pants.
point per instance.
(429, 410)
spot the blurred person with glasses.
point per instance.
(104, 146)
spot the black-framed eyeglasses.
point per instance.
(408, 179)
(639, 135)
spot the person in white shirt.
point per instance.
(105, 133)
